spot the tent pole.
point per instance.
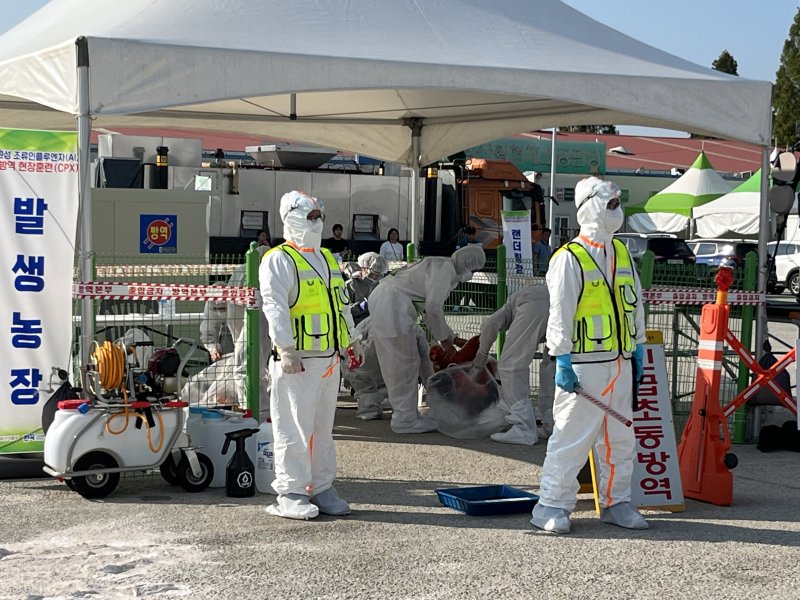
(85, 253)
(763, 238)
(416, 151)
(551, 219)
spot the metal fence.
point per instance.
(166, 321)
(201, 331)
(680, 326)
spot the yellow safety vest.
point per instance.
(604, 325)
(316, 315)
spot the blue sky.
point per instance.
(697, 30)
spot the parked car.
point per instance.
(715, 252)
(666, 247)
(787, 265)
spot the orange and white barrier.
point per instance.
(705, 460)
(694, 296)
(159, 291)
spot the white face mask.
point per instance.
(611, 220)
(301, 231)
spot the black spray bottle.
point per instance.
(240, 475)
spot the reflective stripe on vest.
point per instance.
(316, 315)
(605, 324)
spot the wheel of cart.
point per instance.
(194, 471)
(94, 485)
(169, 469)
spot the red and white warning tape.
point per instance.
(164, 270)
(157, 291)
(690, 296)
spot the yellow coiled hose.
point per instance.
(109, 360)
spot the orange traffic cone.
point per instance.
(703, 455)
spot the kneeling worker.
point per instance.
(524, 317)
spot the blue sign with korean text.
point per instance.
(158, 234)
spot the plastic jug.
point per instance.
(240, 474)
(265, 459)
(207, 428)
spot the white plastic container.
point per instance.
(265, 458)
(207, 428)
(73, 434)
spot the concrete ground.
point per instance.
(150, 540)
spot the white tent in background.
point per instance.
(736, 214)
(669, 210)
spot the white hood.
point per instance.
(297, 229)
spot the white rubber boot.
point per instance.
(330, 503)
(518, 434)
(420, 425)
(293, 506)
(623, 514)
(554, 520)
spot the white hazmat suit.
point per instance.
(428, 282)
(367, 380)
(305, 383)
(580, 426)
(524, 317)
(372, 267)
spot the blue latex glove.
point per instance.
(566, 378)
(637, 358)
(362, 305)
(638, 363)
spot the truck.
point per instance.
(473, 193)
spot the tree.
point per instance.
(726, 64)
(599, 129)
(786, 99)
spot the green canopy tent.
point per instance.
(670, 210)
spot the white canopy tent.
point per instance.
(737, 213)
(395, 79)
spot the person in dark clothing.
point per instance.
(337, 244)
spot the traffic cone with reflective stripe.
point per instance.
(703, 451)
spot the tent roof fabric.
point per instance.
(699, 185)
(735, 213)
(351, 76)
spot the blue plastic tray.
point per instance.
(488, 500)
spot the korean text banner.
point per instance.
(39, 203)
(517, 240)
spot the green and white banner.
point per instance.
(39, 203)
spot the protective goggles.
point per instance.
(316, 212)
(607, 192)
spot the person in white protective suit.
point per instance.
(367, 380)
(215, 335)
(305, 302)
(524, 318)
(372, 267)
(596, 332)
(428, 281)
